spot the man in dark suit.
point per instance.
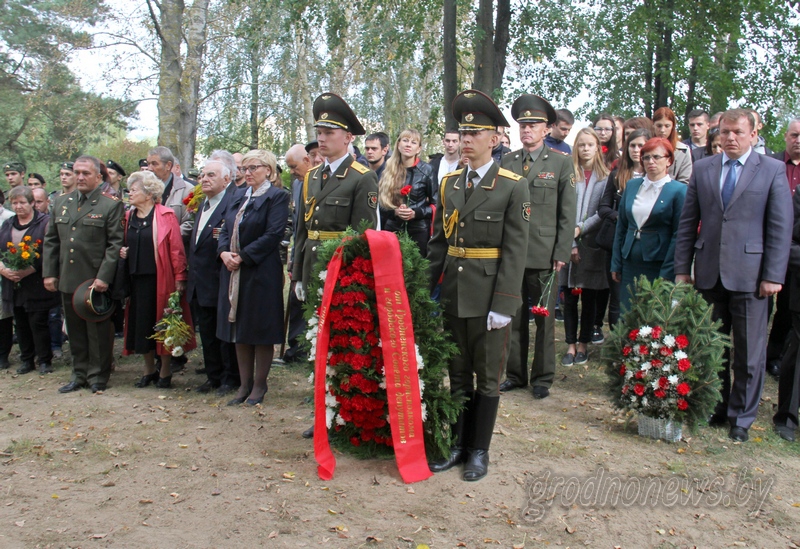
(82, 242)
(741, 252)
(202, 288)
(479, 243)
(782, 321)
(550, 177)
(786, 418)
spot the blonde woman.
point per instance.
(585, 273)
(251, 279)
(406, 191)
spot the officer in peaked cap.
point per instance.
(479, 242)
(551, 182)
(336, 194)
(15, 173)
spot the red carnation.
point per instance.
(682, 404)
(683, 389)
(576, 291)
(660, 393)
(639, 374)
(656, 333)
(656, 363)
(188, 198)
(622, 370)
(665, 351)
(684, 364)
(405, 191)
(625, 389)
(682, 341)
(626, 350)
(39, 242)
(642, 349)
(604, 148)
(355, 441)
(663, 382)
(540, 311)
(633, 335)
(638, 389)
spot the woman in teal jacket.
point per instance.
(649, 212)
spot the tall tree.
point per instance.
(180, 73)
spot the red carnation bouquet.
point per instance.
(654, 366)
(540, 309)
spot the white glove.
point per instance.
(300, 291)
(495, 321)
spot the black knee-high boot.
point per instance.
(484, 414)
(458, 449)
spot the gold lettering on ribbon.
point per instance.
(396, 341)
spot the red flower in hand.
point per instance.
(540, 311)
(405, 191)
(188, 199)
(576, 291)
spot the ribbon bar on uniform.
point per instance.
(475, 253)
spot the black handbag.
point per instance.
(606, 234)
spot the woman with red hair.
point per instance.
(666, 126)
(649, 212)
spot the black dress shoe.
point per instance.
(98, 387)
(477, 465)
(785, 432)
(235, 401)
(540, 392)
(224, 389)
(45, 368)
(774, 367)
(308, 433)
(206, 387)
(4, 365)
(717, 420)
(71, 386)
(200, 371)
(164, 382)
(456, 457)
(738, 434)
(508, 385)
(26, 367)
(146, 380)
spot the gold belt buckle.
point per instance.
(462, 252)
(313, 235)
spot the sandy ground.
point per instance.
(173, 469)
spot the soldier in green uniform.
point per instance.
(82, 242)
(551, 181)
(479, 243)
(336, 194)
(15, 174)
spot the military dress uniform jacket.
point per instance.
(495, 217)
(551, 182)
(349, 196)
(83, 244)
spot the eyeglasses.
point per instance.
(603, 130)
(252, 169)
(653, 157)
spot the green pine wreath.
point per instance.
(360, 424)
(664, 356)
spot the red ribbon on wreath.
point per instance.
(399, 355)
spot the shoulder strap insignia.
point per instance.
(559, 152)
(360, 168)
(509, 174)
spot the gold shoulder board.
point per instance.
(357, 166)
(509, 174)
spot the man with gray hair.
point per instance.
(227, 160)
(202, 288)
(160, 161)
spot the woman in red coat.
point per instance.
(156, 264)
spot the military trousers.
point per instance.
(479, 364)
(90, 345)
(543, 367)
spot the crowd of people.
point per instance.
(549, 231)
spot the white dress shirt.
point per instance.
(646, 198)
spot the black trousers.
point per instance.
(588, 299)
(33, 335)
(789, 382)
(6, 337)
(297, 324)
(219, 356)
